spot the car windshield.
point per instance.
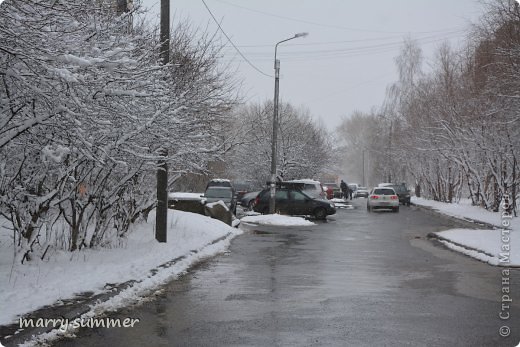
(384, 191)
(219, 193)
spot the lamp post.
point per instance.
(275, 122)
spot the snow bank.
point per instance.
(490, 246)
(485, 245)
(28, 287)
(461, 210)
(276, 219)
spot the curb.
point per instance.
(441, 238)
(444, 241)
(458, 219)
(72, 308)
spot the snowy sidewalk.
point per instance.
(496, 245)
(112, 278)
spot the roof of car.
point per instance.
(306, 181)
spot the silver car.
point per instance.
(383, 198)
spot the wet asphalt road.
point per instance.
(359, 279)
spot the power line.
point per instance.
(335, 42)
(328, 25)
(231, 42)
(352, 51)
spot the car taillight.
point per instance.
(394, 197)
(374, 196)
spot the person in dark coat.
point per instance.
(344, 189)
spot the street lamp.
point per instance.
(275, 122)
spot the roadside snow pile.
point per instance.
(276, 219)
(336, 200)
(25, 288)
(499, 247)
(462, 210)
(342, 203)
(485, 245)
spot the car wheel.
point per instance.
(320, 213)
(396, 209)
(250, 205)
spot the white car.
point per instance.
(383, 198)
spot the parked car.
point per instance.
(353, 187)
(361, 192)
(333, 190)
(220, 182)
(293, 201)
(383, 198)
(226, 194)
(311, 187)
(243, 187)
(402, 191)
(248, 200)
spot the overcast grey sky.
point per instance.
(346, 62)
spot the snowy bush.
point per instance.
(85, 105)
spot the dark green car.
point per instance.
(294, 202)
(403, 193)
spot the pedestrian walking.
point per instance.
(344, 189)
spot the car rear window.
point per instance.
(384, 191)
(219, 183)
(219, 193)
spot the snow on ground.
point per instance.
(461, 210)
(28, 287)
(336, 200)
(276, 219)
(484, 245)
(496, 247)
(342, 203)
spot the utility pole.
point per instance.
(161, 216)
(272, 200)
(165, 31)
(363, 168)
(390, 154)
